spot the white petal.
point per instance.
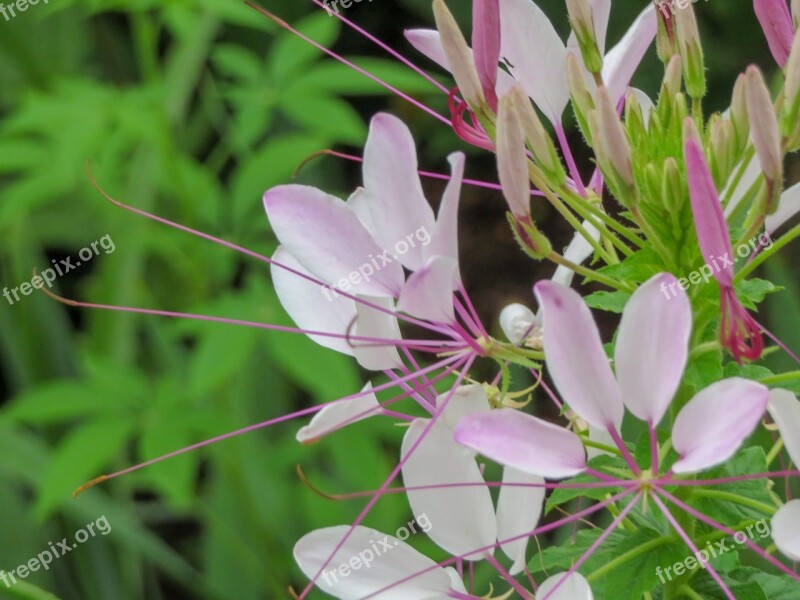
(785, 410)
(536, 55)
(786, 529)
(716, 422)
(574, 588)
(309, 306)
(428, 293)
(575, 356)
(444, 240)
(601, 436)
(372, 323)
(622, 60)
(340, 414)
(396, 200)
(788, 207)
(462, 518)
(652, 347)
(578, 251)
(381, 560)
(464, 400)
(517, 322)
(518, 512)
(327, 238)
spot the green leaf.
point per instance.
(562, 495)
(291, 55)
(752, 292)
(613, 302)
(637, 268)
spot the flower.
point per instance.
(739, 332)
(776, 21)
(650, 355)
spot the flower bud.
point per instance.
(672, 77)
(541, 145)
(486, 45)
(739, 118)
(459, 56)
(722, 150)
(582, 101)
(796, 13)
(532, 241)
(512, 161)
(672, 189)
(613, 149)
(666, 44)
(691, 52)
(582, 21)
(764, 130)
(776, 21)
(790, 111)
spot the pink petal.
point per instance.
(518, 512)
(788, 207)
(444, 240)
(372, 323)
(574, 588)
(716, 422)
(396, 200)
(652, 347)
(776, 21)
(518, 440)
(428, 293)
(709, 221)
(309, 306)
(463, 401)
(327, 238)
(462, 518)
(381, 561)
(486, 45)
(340, 414)
(429, 43)
(786, 529)
(536, 55)
(785, 410)
(575, 356)
(622, 60)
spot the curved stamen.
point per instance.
(472, 133)
(739, 332)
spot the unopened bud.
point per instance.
(582, 21)
(582, 101)
(691, 52)
(486, 45)
(739, 118)
(541, 145)
(764, 128)
(613, 149)
(459, 56)
(634, 119)
(673, 75)
(790, 111)
(796, 13)
(776, 21)
(672, 188)
(666, 44)
(512, 161)
(532, 241)
(722, 150)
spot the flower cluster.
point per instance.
(673, 188)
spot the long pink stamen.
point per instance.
(596, 544)
(538, 531)
(676, 526)
(392, 52)
(283, 24)
(733, 479)
(395, 472)
(567, 152)
(471, 133)
(523, 593)
(718, 526)
(626, 454)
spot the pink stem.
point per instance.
(573, 168)
(523, 593)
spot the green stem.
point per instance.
(767, 253)
(780, 378)
(589, 273)
(773, 453)
(685, 589)
(748, 156)
(736, 499)
(654, 239)
(626, 557)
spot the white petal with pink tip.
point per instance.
(716, 422)
(575, 587)
(785, 410)
(340, 414)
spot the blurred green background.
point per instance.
(191, 109)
